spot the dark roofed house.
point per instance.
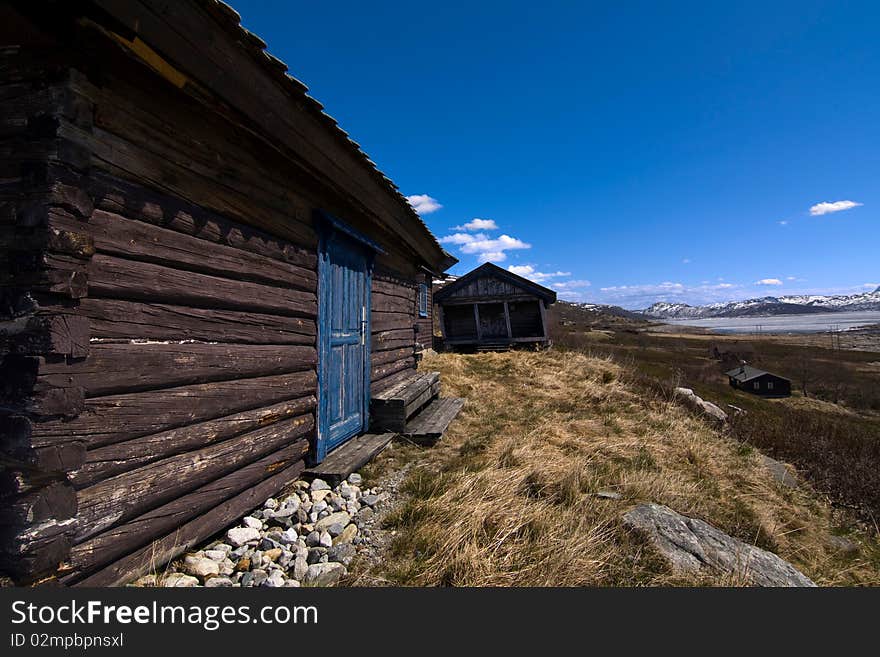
(759, 382)
(491, 307)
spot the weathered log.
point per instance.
(378, 385)
(139, 202)
(379, 372)
(382, 340)
(127, 495)
(118, 541)
(55, 500)
(26, 553)
(116, 418)
(192, 533)
(115, 235)
(110, 460)
(392, 304)
(43, 334)
(118, 278)
(381, 321)
(119, 368)
(110, 318)
(390, 356)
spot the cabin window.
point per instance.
(423, 300)
(757, 385)
(769, 385)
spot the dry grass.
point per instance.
(508, 497)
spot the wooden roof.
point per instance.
(232, 63)
(746, 373)
(490, 269)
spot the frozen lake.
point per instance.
(813, 323)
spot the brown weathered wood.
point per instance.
(432, 421)
(140, 202)
(190, 534)
(119, 368)
(381, 321)
(126, 538)
(116, 418)
(103, 462)
(36, 549)
(118, 278)
(127, 495)
(379, 385)
(112, 318)
(115, 235)
(391, 355)
(378, 372)
(56, 500)
(350, 457)
(45, 334)
(396, 339)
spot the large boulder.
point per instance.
(701, 405)
(691, 546)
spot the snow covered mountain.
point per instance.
(784, 305)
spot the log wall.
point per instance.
(158, 319)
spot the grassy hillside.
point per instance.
(509, 496)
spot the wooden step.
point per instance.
(431, 422)
(349, 457)
(391, 408)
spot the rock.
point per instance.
(335, 529)
(325, 540)
(215, 555)
(843, 545)
(355, 479)
(200, 566)
(691, 545)
(243, 565)
(179, 580)
(313, 539)
(324, 574)
(699, 404)
(340, 517)
(292, 583)
(288, 537)
(272, 554)
(316, 554)
(300, 566)
(253, 523)
(365, 514)
(241, 535)
(319, 484)
(260, 576)
(320, 495)
(343, 553)
(271, 503)
(247, 579)
(275, 580)
(782, 473)
(218, 582)
(347, 535)
(146, 580)
(317, 507)
(370, 500)
(267, 544)
(609, 495)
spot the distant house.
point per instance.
(491, 307)
(759, 382)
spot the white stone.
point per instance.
(200, 566)
(180, 580)
(324, 574)
(241, 535)
(253, 523)
(319, 484)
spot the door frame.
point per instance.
(329, 227)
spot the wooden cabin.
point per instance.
(205, 282)
(759, 382)
(491, 307)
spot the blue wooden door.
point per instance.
(344, 335)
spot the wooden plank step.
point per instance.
(349, 457)
(401, 394)
(429, 424)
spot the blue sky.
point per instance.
(619, 152)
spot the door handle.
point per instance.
(363, 325)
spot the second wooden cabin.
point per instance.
(491, 307)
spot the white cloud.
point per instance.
(686, 261)
(768, 281)
(492, 256)
(478, 224)
(783, 222)
(837, 206)
(570, 285)
(527, 271)
(642, 296)
(463, 238)
(423, 204)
